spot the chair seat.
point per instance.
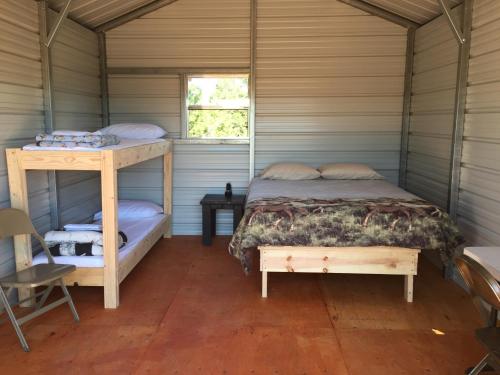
(37, 275)
(490, 338)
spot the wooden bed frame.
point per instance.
(107, 162)
(359, 260)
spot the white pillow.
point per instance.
(348, 171)
(135, 131)
(134, 209)
(289, 171)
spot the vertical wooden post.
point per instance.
(409, 288)
(19, 199)
(264, 284)
(167, 190)
(109, 187)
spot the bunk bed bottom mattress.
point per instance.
(135, 229)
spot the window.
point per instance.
(217, 107)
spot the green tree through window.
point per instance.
(218, 107)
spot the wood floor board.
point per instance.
(190, 309)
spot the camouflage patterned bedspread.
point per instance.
(344, 222)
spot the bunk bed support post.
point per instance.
(109, 187)
(18, 187)
(167, 191)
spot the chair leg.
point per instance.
(45, 295)
(476, 370)
(7, 295)
(70, 300)
(13, 320)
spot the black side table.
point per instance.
(213, 202)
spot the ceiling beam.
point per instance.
(132, 15)
(382, 13)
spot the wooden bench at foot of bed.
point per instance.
(357, 260)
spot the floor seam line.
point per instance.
(136, 369)
(323, 299)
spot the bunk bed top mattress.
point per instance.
(124, 143)
(135, 229)
(340, 213)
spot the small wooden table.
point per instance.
(213, 202)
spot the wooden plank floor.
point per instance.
(189, 309)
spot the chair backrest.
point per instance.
(14, 222)
(480, 281)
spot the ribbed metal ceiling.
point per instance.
(419, 11)
(92, 13)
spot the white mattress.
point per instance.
(124, 143)
(135, 229)
(325, 189)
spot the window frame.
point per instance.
(184, 81)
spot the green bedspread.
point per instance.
(342, 223)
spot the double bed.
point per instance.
(340, 226)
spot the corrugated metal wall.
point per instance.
(432, 106)
(479, 199)
(21, 107)
(184, 34)
(77, 105)
(329, 88)
(329, 85)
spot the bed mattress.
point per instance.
(124, 143)
(325, 189)
(135, 229)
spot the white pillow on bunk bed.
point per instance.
(348, 171)
(135, 131)
(134, 209)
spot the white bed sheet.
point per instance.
(325, 189)
(135, 229)
(124, 143)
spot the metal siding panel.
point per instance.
(331, 82)
(479, 199)
(299, 8)
(77, 104)
(185, 34)
(346, 66)
(21, 108)
(329, 85)
(432, 105)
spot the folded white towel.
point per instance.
(67, 240)
(76, 133)
(84, 227)
(75, 237)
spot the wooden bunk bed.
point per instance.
(107, 162)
